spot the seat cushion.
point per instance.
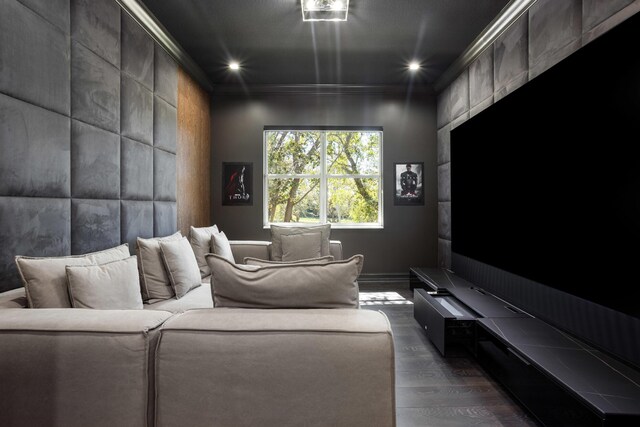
(199, 297)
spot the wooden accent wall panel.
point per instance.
(194, 154)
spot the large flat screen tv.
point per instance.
(545, 184)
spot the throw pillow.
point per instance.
(277, 231)
(301, 246)
(302, 285)
(200, 239)
(110, 286)
(221, 246)
(154, 281)
(45, 279)
(264, 262)
(181, 266)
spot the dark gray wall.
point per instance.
(409, 237)
(85, 159)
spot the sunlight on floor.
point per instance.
(382, 298)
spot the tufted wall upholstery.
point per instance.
(87, 131)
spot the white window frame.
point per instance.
(323, 176)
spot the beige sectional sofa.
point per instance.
(181, 362)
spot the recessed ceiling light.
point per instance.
(414, 66)
(233, 65)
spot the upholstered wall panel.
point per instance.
(596, 11)
(137, 52)
(164, 125)
(164, 176)
(34, 58)
(136, 221)
(166, 77)
(29, 226)
(54, 11)
(96, 24)
(481, 78)
(563, 20)
(95, 225)
(34, 144)
(77, 133)
(165, 216)
(95, 162)
(137, 170)
(95, 89)
(136, 111)
(510, 58)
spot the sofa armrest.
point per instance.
(250, 248)
(77, 367)
(288, 366)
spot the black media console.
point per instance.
(559, 379)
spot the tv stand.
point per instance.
(559, 379)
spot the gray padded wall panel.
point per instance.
(54, 11)
(61, 131)
(95, 162)
(137, 52)
(95, 89)
(165, 125)
(166, 76)
(165, 217)
(34, 226)
(34, 143)
(164, 176)
(136, 221)
(137, 170)
(136, 111)
(95, 225)
(34, 58)
(96, 24)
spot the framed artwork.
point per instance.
(237, 184)
(409, 189)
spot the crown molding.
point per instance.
(507, 16)
(159, 33)
(323, 89)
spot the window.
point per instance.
(318, 176)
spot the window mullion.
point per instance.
(323, 177)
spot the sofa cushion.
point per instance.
(45, 278)
(221, 246)
(14, 298)
(181, 265)
(110, 286)
(277, 231)
(303, 285)
(301, 246)
(265, 262)
(200, 239)
(199, 297)
(154, 281)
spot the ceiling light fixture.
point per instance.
(324, 10)
(233, 65)
(414, 66)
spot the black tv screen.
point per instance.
(545, 183)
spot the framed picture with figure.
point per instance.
(409, 188)
(237, 184)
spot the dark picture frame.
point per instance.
(408, 184)
(237, 184)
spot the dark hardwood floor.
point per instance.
(432, 390)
